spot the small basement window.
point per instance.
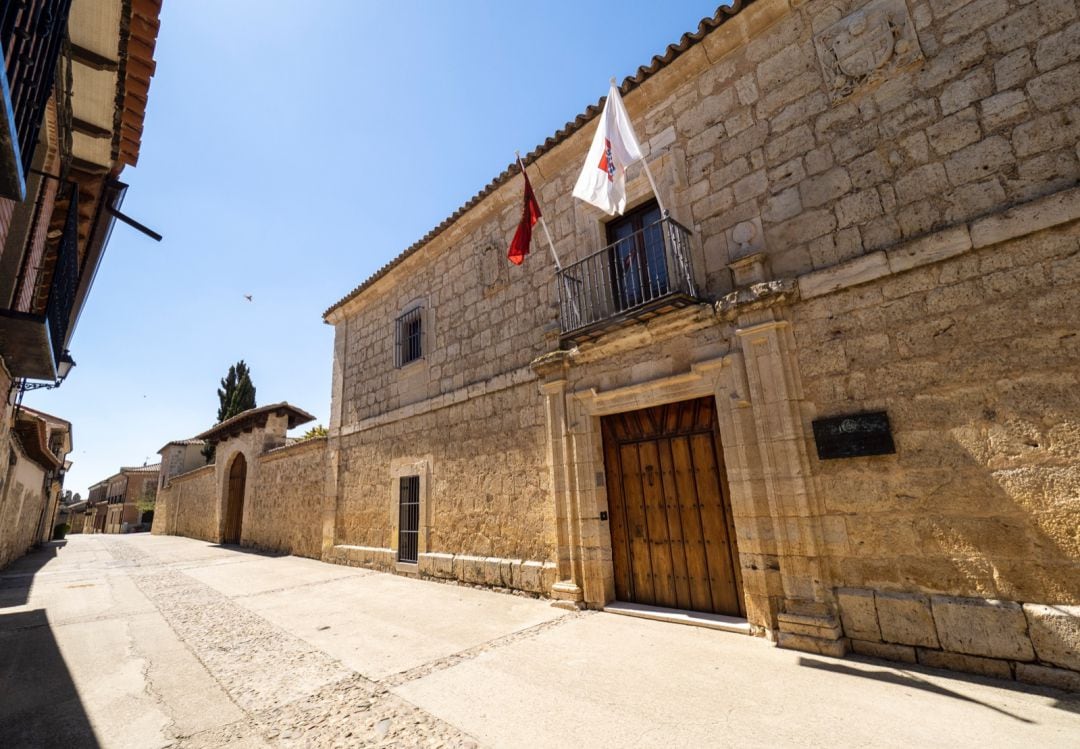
(408, 337)
(409, 519)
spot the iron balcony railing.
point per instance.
(628, 276)
(65, 280)
(31, 35)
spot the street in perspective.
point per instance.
(152, 641)
(478, 375)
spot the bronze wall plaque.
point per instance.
(854, 436)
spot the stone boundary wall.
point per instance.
(516, 574)
(1033, 643)
(286, 500)
(187, 505)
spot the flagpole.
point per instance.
(543, 223)
(645, 163)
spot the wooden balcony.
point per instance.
(34, 331)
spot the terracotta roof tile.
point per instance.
(154, 468)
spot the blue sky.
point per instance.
(289, 150)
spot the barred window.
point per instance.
(408, 337)
(409, 519)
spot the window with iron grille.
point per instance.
(409, 519)
(408, 337)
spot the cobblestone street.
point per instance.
(168, 642)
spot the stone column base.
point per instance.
(567, 595)
(812, 633)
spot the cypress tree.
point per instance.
(236, 395)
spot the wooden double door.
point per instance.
(672, 535)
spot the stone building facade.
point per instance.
(32, 481)
(121, 502)
(833, 392)
(73, 94)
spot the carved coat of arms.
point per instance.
(866, 46)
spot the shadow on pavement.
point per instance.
(910, 678)
(17, 577)
(39, 705)
(250, 550)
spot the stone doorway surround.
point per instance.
(775, 508)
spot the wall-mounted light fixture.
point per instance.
(63, 369)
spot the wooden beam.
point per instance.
(89, 128)
(92, 59)
(88, 167)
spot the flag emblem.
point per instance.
(607, 163)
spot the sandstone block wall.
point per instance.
(489, 482)
(974, 359)
(1028, 642)
(286, 500)
(920, 206)
(188, 506)
(753, 128)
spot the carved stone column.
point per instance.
(552, 370)
(780, 471)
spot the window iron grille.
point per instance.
(31, 34)
(409, 519)
(408, 337)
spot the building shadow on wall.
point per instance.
(977, 501)
(914, 677)
(17, 578)
(39, 704)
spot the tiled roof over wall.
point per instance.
(688, 40)
(139, 67)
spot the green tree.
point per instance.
(236, 395)
(146, 502)
(316, 431)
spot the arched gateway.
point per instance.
(234, 502)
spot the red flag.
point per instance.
(519, 246)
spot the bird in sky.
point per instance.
(248, 297)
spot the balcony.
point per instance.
(34, 332)
(641, 276)
(31, 34)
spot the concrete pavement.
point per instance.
(147, 641)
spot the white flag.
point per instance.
(603, 178)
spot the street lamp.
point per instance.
(63, 369)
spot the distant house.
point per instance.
(121, 500)
(96, 508)
(74, 515)
(180, 456)
(31, 484)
